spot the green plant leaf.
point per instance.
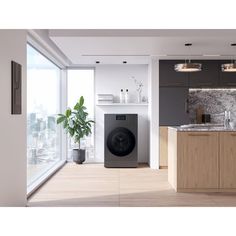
(77, 106)
(65, 124)
(71, 132)
(75, 121)
(60, 119)
(81, 101)
(68, 112)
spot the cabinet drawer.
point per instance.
(228, 160)
(198, 160)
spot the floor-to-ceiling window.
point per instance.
(43, 105)
(80, 82)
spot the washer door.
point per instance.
(121, 141)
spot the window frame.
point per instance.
(94, 88)
(32, 187)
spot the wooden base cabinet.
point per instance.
(202, 161)
(198, 160)
(163, 147)
(228, 160)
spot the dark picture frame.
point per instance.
(16, 87)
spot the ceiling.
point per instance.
(136, 46)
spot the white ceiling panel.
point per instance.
(88, 46)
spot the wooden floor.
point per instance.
(94, 185)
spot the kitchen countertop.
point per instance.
(202, 128)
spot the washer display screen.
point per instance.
(120, 117)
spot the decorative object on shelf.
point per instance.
(145, 99)
(199, 112)
(122, 96)
(105, 98)
(206, 118)
(188, 66)
(76, 123)
(227, 118)
(126, 96)
(139, 87)
(229, 67)
(16, 88)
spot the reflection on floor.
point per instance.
(94, 185)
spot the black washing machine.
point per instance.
(121, 139)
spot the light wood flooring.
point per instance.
(93, 185)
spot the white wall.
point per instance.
(12, 127)
(110, 79)
(153, 111)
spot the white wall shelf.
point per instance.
(122, 104)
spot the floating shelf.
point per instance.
(122, 104)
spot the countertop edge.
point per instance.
(179, 129)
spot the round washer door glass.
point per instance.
(121, 141)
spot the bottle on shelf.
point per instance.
(122, 96)
(126, 96)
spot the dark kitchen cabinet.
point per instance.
(169, 77)
(173, 106)
(227, 79)
(208, 77)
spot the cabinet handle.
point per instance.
(201, 84)
(233, 134)
(172, 84)
(231, 83)
(186, 106)
(199, 135)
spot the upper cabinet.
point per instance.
(169, 77)
(227, 79)
(211, 75)
(207, 77)
(173, 106)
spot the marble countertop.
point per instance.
(202, 128)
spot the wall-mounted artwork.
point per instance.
(16, 74)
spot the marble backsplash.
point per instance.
(214, 102)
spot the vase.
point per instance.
(139, 97)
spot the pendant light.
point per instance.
(188, 66)
(229, 67)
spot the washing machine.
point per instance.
(121, 139)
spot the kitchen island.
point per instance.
(202, 159)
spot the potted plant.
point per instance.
(77, 125)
